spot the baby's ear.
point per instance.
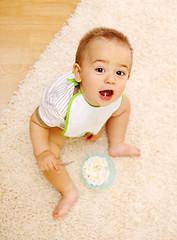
(77, 72)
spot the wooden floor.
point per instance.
(26, 28)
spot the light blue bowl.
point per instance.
(111, 176)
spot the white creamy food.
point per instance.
(96, 170)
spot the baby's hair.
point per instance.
(100, 32)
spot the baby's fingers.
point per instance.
(56, 165)
(88, 136)
(48, 161)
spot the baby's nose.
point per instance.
(109, 79)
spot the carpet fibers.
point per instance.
(141, 203)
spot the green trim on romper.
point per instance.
(77, 84)
(69, 105)
(73, 80)
(122, 99)
(89, 103)
(68, 111)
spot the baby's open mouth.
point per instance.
(106, 94)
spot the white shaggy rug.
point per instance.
(141, 204)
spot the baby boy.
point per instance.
(82, 102)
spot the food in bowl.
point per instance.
(96, 170)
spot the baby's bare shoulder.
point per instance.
(123, 108)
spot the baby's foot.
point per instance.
(123, 149)
(65, 203)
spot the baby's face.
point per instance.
(104, 71)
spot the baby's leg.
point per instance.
(116, 129)
(61, 181)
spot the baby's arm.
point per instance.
(116, 130)
(40, 141)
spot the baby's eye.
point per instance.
(120, 73)
(100, 70)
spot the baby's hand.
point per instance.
(48, 161)
(92, 138)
